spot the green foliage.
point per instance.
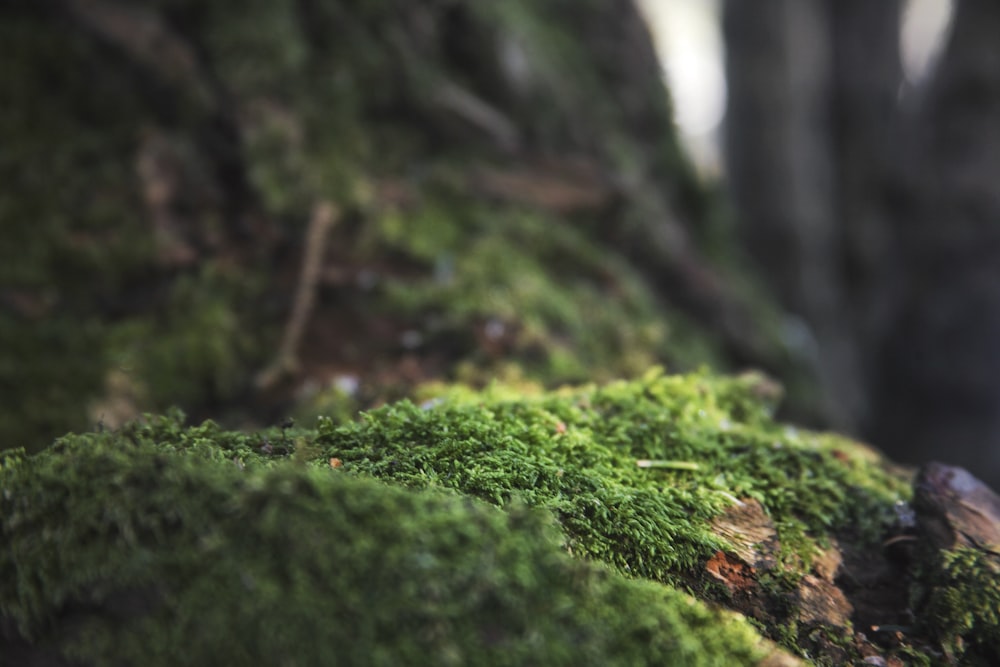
(225, 563)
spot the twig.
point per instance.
(672, 465)
(324, 215)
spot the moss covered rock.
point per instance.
(494, 527)
(159, 548)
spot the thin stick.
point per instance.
(671, 465)
(324, 215)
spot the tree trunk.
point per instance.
(940, 390)
(794, 179)
(509, 187)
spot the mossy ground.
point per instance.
(163, 545)
(575, 451)
(256, 536)
(427, 275)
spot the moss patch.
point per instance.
(160, 558)
(540, 292)
(959, 603)
(575, 452)
(709, 443)
(155, 210)
(64, 243)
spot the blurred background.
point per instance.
(271, 208)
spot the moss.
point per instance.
(575, 452)
(307, 119)
(196, 349)
(959, 602)
(569, 309)
(78, 255)
(165, 518)
(80, 291)
(170, 557)
(41, 389)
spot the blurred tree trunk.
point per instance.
(193, 142)
(811, 91)
(873, 214)
(940, 385)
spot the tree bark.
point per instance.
(812, 88)
(940, 380)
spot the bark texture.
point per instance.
(941, 372)
(870, 206)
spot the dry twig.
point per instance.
(324, 215)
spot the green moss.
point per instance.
(207, 512)
(41, 388)
(196, 349)
(574, 452)
(570, 309)
(172, 558)
(80, 289)
(69, 236)
(960, 604)
(344, 121)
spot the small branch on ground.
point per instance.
(324, 215)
